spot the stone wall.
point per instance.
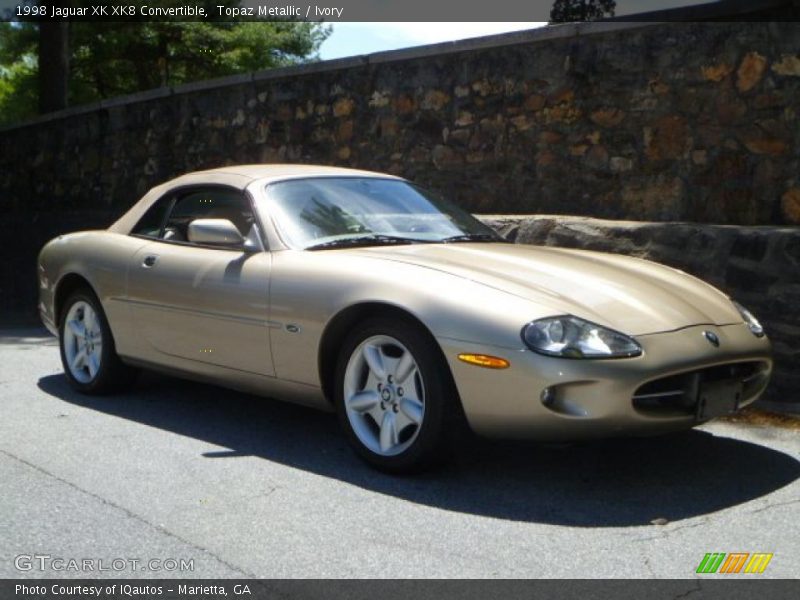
(758, 266)
(678, 121)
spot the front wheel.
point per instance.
(88, 354)
(394, 396)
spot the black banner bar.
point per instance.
(285, 589)
(333, 11)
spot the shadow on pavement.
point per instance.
(26, 336)
(603, 484)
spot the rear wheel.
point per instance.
(88, 354)
(394, 396)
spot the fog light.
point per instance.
(548, 396)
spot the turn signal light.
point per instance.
(484, 360)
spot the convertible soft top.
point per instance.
(235, 176)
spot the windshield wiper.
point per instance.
(364, 240)
(472, 237)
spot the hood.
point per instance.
(631, 295)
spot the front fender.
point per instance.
(308, 289)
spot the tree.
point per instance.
(110, 59)
(566, 11)
(19, 94)
(53, 62)
(126, 57)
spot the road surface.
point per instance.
(239, 486)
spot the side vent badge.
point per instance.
(712, 338)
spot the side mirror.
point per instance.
(215, 232)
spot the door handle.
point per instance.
(149, 261)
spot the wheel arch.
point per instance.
(65, 286)
(339, 325)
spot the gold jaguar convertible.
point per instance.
(365, 294)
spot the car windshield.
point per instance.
(330, 212)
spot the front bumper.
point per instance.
(595, 398)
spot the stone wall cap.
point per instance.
(207, 84)
(576, 219)
(335, 64)
(133, 98)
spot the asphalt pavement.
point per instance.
(181, 479)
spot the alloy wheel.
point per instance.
(384, 395)
(83, 342)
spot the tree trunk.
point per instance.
(53, 64)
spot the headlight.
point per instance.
(751, 321)
(572, 337)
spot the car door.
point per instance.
(204, 304)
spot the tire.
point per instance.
(395, 397)
(100, 371)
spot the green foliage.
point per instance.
(18, 92)
(111, 59)
(18, 73)
(126, 57)
(566, 11)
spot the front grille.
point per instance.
(676, 395)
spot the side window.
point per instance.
(153, 220)
(208, 203)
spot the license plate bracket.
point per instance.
(718, 398)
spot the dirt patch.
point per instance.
(764, 418)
